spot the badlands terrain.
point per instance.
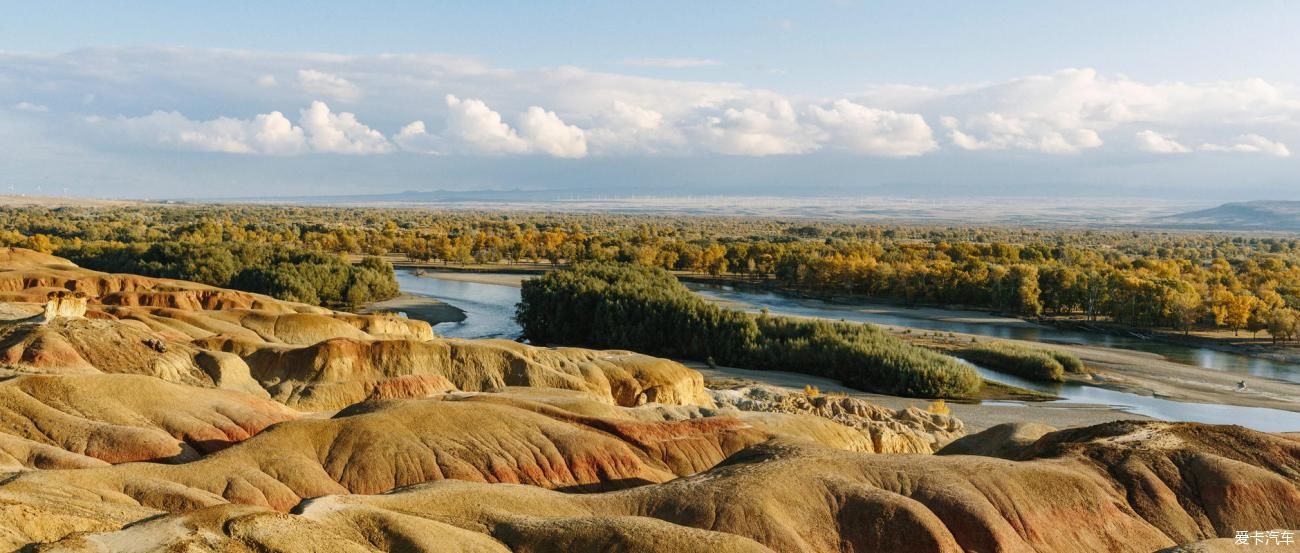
(142, 414)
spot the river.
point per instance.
(490, 308)
(1020, 330)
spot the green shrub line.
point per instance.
(1032, 363)
(647, 310)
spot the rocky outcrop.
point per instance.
(908, 430)
(70, 305)
(28, 276)
(341, 371)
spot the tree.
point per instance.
(1183, 305)
(1258, 320)
(1238, 313)
(714, 259)
(1283, 324)
(1016, 290)
(40, 243)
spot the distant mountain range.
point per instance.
(1254, 215)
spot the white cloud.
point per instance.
(267, 81)
(997, 131)
(671, 63)
(340, 133)
(770, 128)
(545, 131)
(414, 138)
(1071, 110)
(472, 123)
(30, 107)
(318, 130)
(320, 83)
(473, 127)
(1154, 142)
(629, 129)
(268, 133)
(1251, 144)
(865, 130)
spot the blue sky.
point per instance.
(836, 97)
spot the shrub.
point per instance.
(1030, 363)
(646, 309)
(1069, 361)
(939, 407)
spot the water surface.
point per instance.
(489, 308)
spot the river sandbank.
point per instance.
(1144, 373)
(976, 417)
(417, 307)
(498, 279)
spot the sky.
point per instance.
(188, 99)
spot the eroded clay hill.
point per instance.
(142, 414)
(780, 496)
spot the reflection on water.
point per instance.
(489, 308)
(1199, 357)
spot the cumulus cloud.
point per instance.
(329, 85)
(318, 130)
(1071, 110)
(766, 129)
(1251, 144)
(865, 130)
(340, 133)
(630, 129)
(473, 127)
(30, 107)
(671, 63)
(997, 131)
(267, 81)
(415, 138)
(544, 131)
(1154, 142)
(268, 133)
(472, 123)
